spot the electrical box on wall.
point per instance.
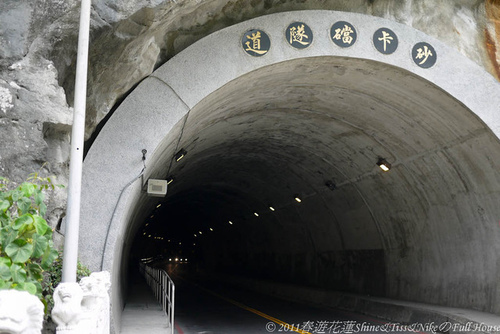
(157, 188)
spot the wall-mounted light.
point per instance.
(256, 214)
(230, 223)
(170, 179)
(271, 208)
(297, 198)
(383, 164)
(200, 232)
(211, 229)
(179, 155)
(157, 188)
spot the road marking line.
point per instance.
(259, 313)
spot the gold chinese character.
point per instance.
(344, 33)
(297, 34)
(255, 38)
(425, 53)
(386, 38)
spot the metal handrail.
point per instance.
(163, 288)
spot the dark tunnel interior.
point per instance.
(281, 181)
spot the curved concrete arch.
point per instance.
(190, 85)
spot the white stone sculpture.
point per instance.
(67, 311)
(84, 307)
(96, 301)
(20, 313)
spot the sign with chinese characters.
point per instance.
(256, 42)
(343, 34)
(385, 41)
(424, 55)
(299, 35)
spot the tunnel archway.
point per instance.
(312, 123)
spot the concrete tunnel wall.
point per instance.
(259, 130)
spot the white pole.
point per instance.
(70, 256)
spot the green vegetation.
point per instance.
(26, 247)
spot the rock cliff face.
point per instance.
(130, 38)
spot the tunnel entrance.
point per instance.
(280, 177)
(315, 129)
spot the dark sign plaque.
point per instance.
(343, 34)
(256, 42)
(299, 35)
(385, 41)
(424, 55)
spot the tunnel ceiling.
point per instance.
(291, 128)
(300, 126)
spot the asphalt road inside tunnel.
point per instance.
(210, 307)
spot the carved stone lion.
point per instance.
(20, 313)
(67, 305)
(95, 301)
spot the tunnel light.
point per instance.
(170, 179)
(152, 216)
(256, 214)
(297, 198)
(149, 236)
(144, 233)
(230, 223)
(180, 243)
(196, 235)
(157, 188)
(170, 260)
(146, 224)
(176, 259)
(383, 164)
(211, 229)
(200, 232)
(271, 208)
(158, 206)
(179, 155)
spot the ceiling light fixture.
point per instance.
(170, 179)
(211, 229)
(383, 164)
(256, 214)
(297, 198)
(272, 208)
(230, 223)
(179, 155)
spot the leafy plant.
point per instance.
(26, 248)
(53, 276)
